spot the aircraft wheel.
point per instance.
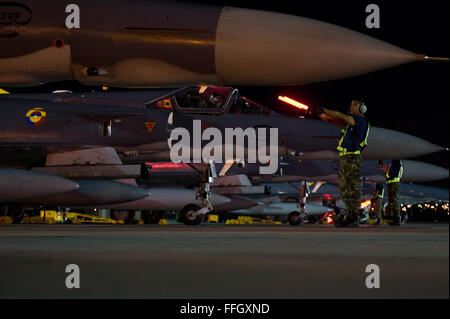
(294, 218)
(122, 214)
(187, 218)
(151, 216)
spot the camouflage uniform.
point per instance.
(393, 207)
(393, 176)
(377, 200)
(378, 207)
(349, 180)
(352, 143)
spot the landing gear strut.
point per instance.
(192, 214)
(296, 218)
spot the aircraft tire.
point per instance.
(151, 216)
(122, 214)
(294, 218)
(185, 218)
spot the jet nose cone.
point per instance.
(419, 172)
(388, 144)
(267, 48)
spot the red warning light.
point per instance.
(166, 165)
(293, 102)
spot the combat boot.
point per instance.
(353, 220)
(342, 219)
(396, 221)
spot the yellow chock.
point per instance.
(3, 92)
(213, 218)
(163, 222)
(141, 222)
(5, 220)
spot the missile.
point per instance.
(18, 185)
(282, 208)
(236, 202)
(95, 193)
(167, 44)
(167, 199)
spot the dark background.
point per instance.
(412, 98)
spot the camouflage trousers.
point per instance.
(393, 207)
(349, 180)
(378, 206)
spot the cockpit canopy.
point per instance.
(209, 100)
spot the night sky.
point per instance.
(412, 98)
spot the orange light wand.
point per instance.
(293, 103)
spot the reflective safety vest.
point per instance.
(391, 179)
(380, 194)
(343, 151)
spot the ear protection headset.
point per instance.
(362, 107)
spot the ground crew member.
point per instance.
(353, 141)
(377, 201)
(393, 175)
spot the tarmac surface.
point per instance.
(224, 261)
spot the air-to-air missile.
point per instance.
(140, 43)
(289, 209)
(19, 185)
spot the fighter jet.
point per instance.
(291, 170)
(139, 129)
(61, 133)
(137, 43)
(251, 201)
(329, 193)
